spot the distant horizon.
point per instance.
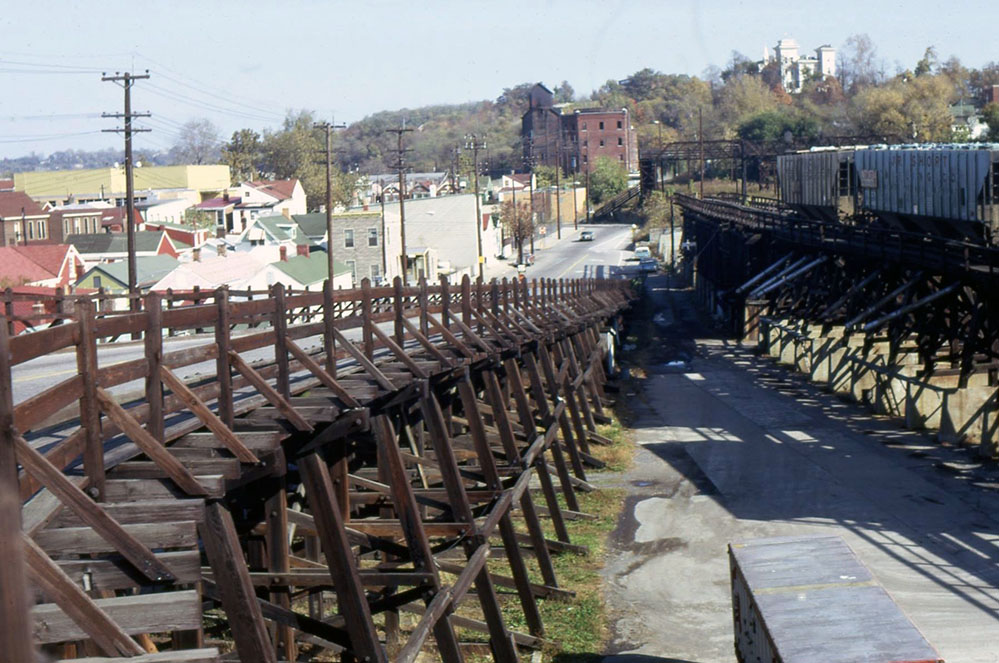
(244, 65)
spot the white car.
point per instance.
(642, 252)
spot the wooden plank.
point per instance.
(85, 541)
(44, 507)
(90, 413)
(35, 410)
(142, 511)
(363, 360)
(207, 417)
(142, 613)
(353, 604)
(400, 354)
(131, 490)
(275, 399)
(149, 445)
(190, 656)
(322, 375)
(238, 597)
(143, 469)
(74, 603)
(90, 512)
(256, 441)
(116, 573)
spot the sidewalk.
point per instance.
(496, 268)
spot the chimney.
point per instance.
(286, 213)
(221, 250)
(283, 253)
(196, 254)
(303, 250)
(365, 207)
(225, 195)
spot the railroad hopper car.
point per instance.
(820, 184)
(951, 190)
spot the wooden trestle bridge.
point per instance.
(312, 496)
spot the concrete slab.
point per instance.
(732, 450)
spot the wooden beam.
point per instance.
(321, 374)
(268, 392)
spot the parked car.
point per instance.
(648, 265)
(586, 236)
(642, 252)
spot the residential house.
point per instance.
(359, 242)
(34, 307)
(113, 276)
(165, 210)
(384, 187)
(267, 198)
(113, 219)
(76, 220)
(50, 265)
(266, 235)
(6, 185)
(111, 247)
(309, 270)
(222, 211)
(441, 237)
(22, 219)
(238, 271)
(183, 236)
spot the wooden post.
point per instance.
(424, 307)
(90, 412)
(445, 301)
(502, 647)
(400, 312)
(278, 561)
(340, 559)
(368, 335)
(15, 614)
(280, 326)
(154, 359)
(329, 323)
(223, 367)
(239, 599)
(466, 300)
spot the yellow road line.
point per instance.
(571, 267)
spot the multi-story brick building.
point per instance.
(576, 140)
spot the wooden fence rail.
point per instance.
(317, 464)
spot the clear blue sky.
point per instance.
(244, 63)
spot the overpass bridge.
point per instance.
(313, 494)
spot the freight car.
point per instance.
(820, 183)
(948, 190)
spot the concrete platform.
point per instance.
(737, 448)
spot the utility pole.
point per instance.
(472, 143)
(455, 163)
(558, 184)
(700, 145)
(328, 128)
(127, 80)
(586, 145)
(400, 165)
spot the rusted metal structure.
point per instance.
(313, 494)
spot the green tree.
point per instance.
(242, 154)
(545, 176)
(607, 179)
(928, 64)
(564, 93)
(990, 115)
(199, 218)
(771, 126)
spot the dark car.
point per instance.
(586, 236)
(648, 265)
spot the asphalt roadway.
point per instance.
(733, 447)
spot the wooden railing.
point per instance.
(431, 362)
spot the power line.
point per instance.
(400, 165)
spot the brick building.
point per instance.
(577, 139)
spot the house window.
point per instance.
(372, 236)
(376, 272)
(601, 126)
(620, 157)
(352, 264)
(586, 143)
(348, 239)
(97, 282)
(619, 124)
(601, 142)
(584, 126)
(620, 141)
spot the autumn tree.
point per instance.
(517, 223)
(859, 65)
(990, 115)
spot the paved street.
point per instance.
(733, 447)
(607, 256)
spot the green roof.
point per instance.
(313, 269)
(145, 240)
(272, 226)
(148, 269)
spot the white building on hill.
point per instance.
(797, 69)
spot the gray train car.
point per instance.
(950, 189)
(821, 183)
